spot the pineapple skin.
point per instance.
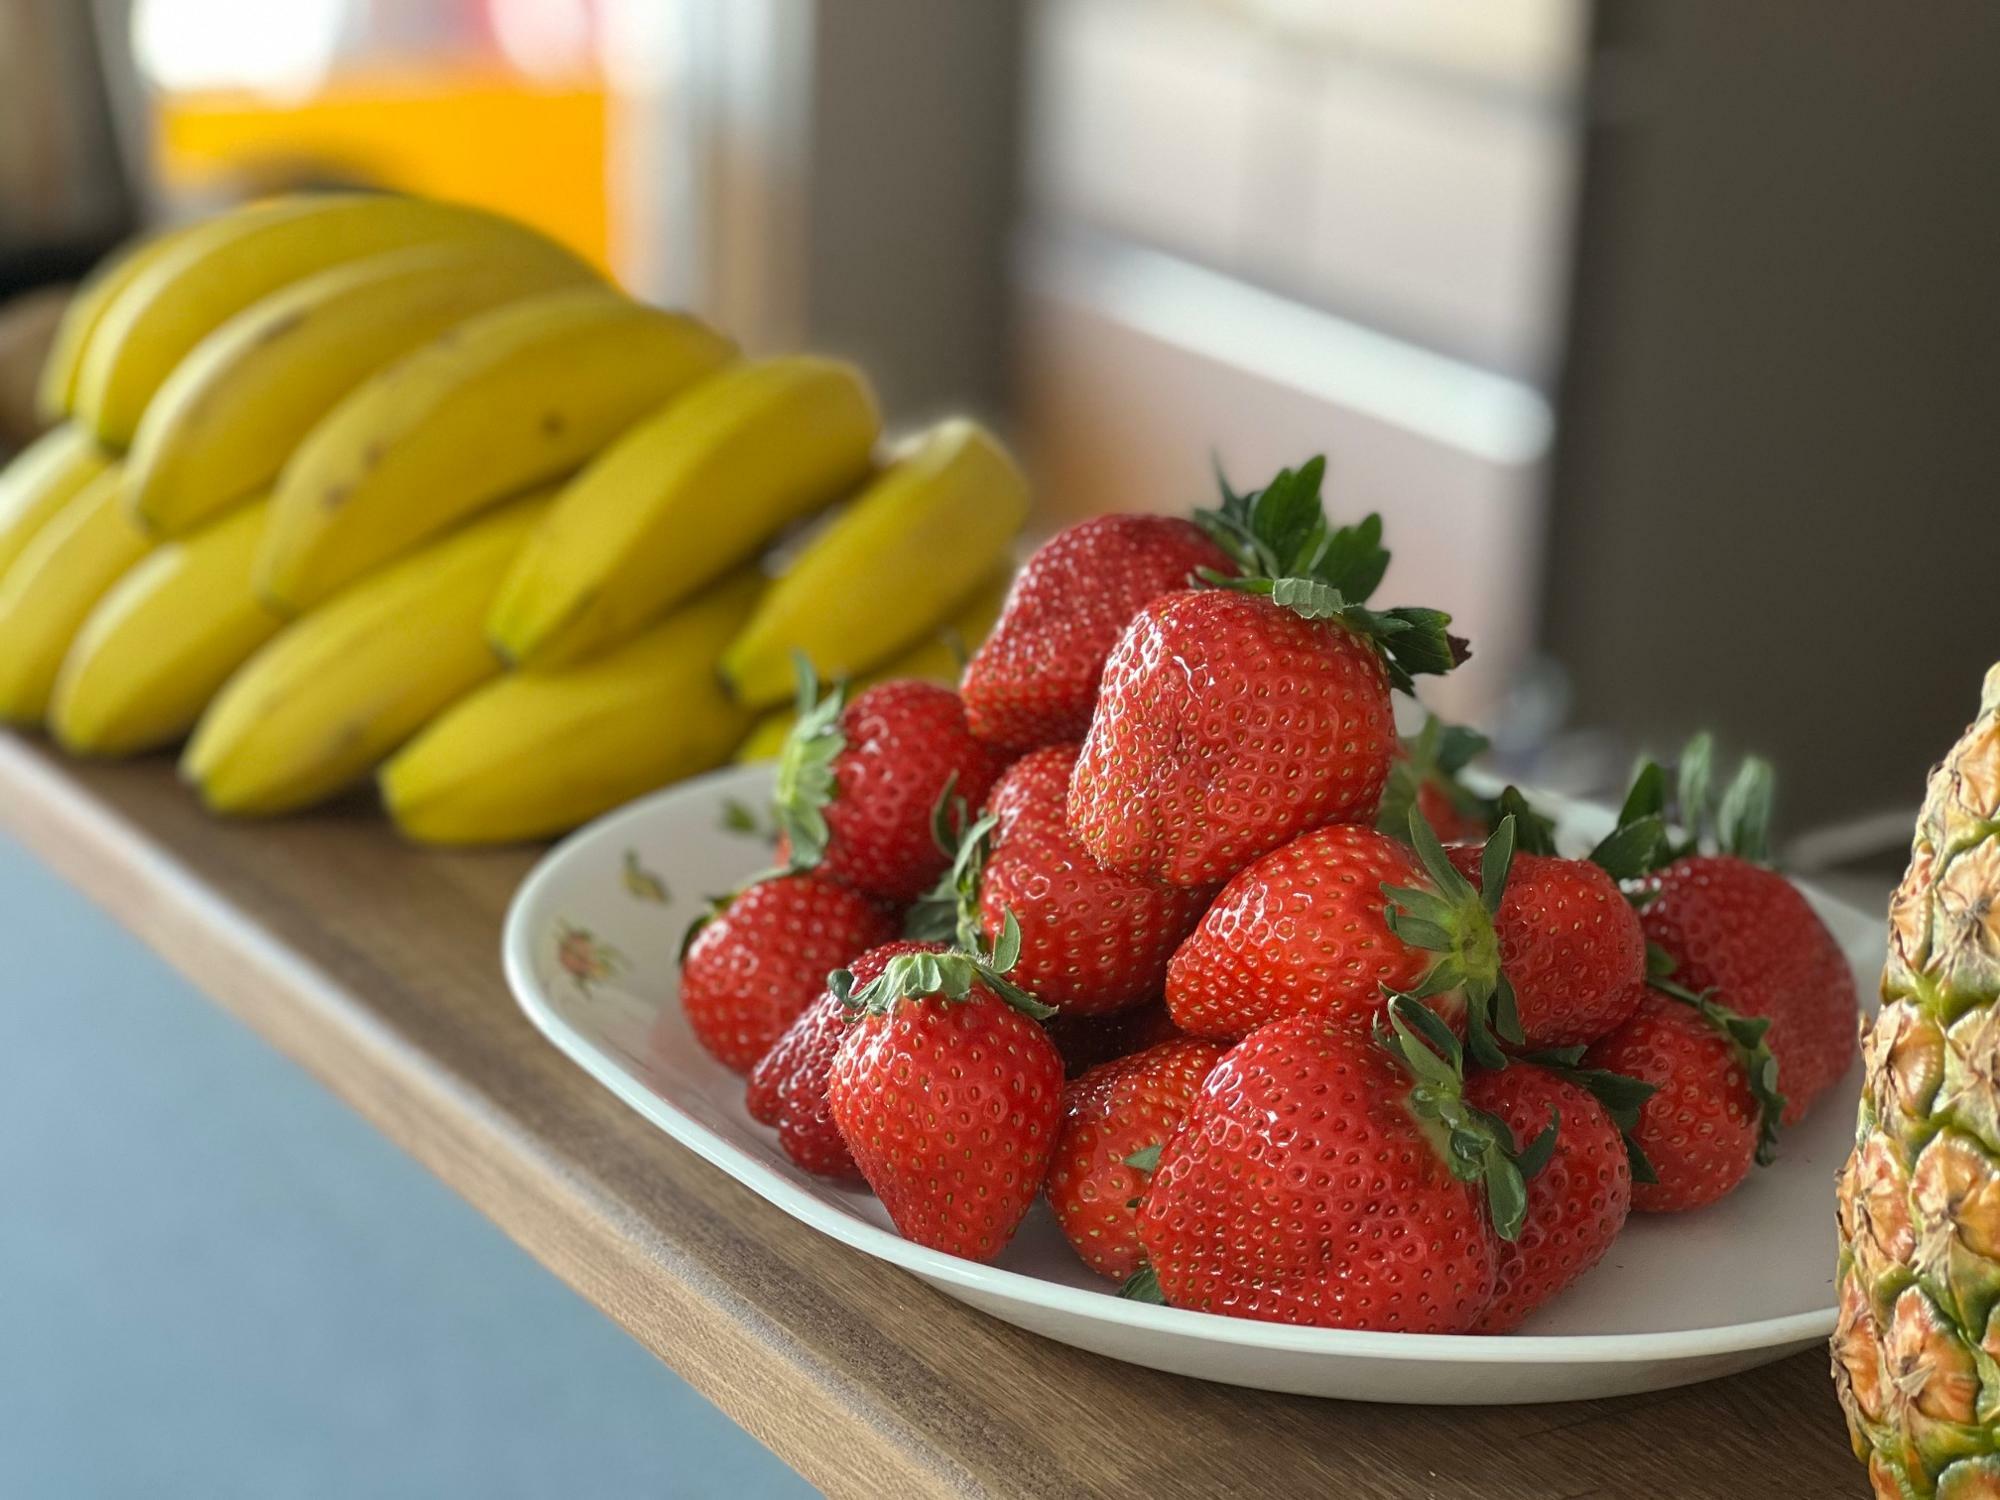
(1916, 1351)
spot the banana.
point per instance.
(331, 694)
(681, 499)
(50, 588)
(215, 269)
(888, 568)
(163, 640)
(939, 657)
(535, 753)
(55, 391)
(40, 481)
(224, 422)
(510, 398)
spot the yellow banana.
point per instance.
(331, 694)
(55, 391)
(50, 588)
(535, 753)
(681, 499)
(512, 397)
(889, 567)
(40, 481)
(163, 640)
(214, 270)
(224, 422)
(939, 657)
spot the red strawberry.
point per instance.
(1305, 931)
(1746, 933)
(1715, 1107)
(858, 783)
(1579, 1201)
(758, 962)
(949, 1095)
(1735, 927)
(1230, 720)
(1115, 1120)
(788, 1087)
(1327, 1177)
(1034, 681)
(1092, 940)
(1570, 946)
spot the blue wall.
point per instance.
(215, 1282)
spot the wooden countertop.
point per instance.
(377, 967)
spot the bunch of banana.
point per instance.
(163, 640)
(513, 397)
(314, 710)
(524, 524)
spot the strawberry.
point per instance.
(1326, 1176)
(1092, 940)
(1570, 946)
(1116, 1117)
(858, 782)
(1579, 1201)
(1233, 718)
(1034, 681)
(1305, 930)
(1715, 1107)
(788, 1087)
(753, 965)
(1732, 925)
(949, 1096)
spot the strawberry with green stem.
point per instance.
(1093, 940)
(1425, 775)
(1331, 1176)
(1234, 717)
(948, 1094)
(857, 782)
(1716, 1107)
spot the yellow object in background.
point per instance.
(889, 568)
(331, 694)
(471, 134)
(166, 637)
(53, 585)
(537, 753)
(40, 480)
(940, 658)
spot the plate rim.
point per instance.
(517, 943)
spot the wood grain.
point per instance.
(376, 967)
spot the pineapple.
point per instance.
(1916, 1352)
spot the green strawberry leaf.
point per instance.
(1745, 1034)
(805, 777)
(1534, 832)
(1633, 848)
(1693, 775)
(1622, 1097)
(1743, 821)
(950, 975)
(1146, 1158)
(1143, 1286)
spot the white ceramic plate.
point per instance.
(590, 949)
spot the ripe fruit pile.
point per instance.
(1323, 1068)
(347, 483)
